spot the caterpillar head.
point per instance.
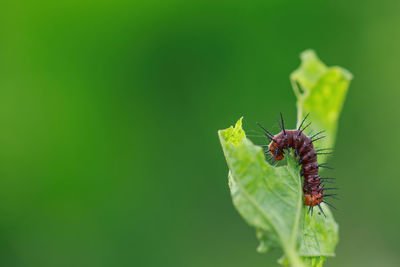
(275, 151)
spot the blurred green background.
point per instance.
(109, 112)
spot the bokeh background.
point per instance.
(109, 112)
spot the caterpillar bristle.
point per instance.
(319, 206)
(275, 157)
(327, 153)
(279, 124)
(318, 138)
(283, 124)
(324, 166)
(317, 134)
(330, 205)
(266, 131)
(311, 208)
(301, 124)
(327, 178)
(303, 129)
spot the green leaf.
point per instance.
(270, 198)
(322, 94)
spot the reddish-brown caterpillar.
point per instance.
(313, 188)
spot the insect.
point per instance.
(303, 145)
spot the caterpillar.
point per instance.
(303, 145)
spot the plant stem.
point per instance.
(293, 258)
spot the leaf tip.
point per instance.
(347, 74)
(310, 59)
(308, 54)
(233, 134)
